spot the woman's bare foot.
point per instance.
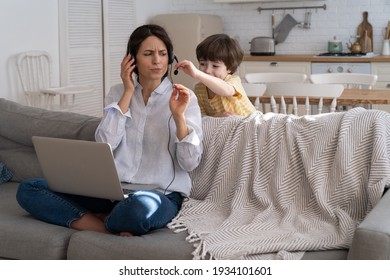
(94, 222)
(101, 216)
(89, 222)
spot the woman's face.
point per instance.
(152, 59)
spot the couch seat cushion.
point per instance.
(23, 237)
(161, 244)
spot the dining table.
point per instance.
(349, 96)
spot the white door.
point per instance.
(93, 38)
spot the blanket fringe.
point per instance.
(200, 252)
(192, 237)
(177, 226)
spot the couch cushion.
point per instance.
(326, 255)
(19, 123)
(5, 173)
(162, 244)
(23, 237)
(372, 237)
(20, 159)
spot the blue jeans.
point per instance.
(141, 212)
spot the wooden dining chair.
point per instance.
(255, 91)
(273, 77)
(349, 80)
(277, 77)
(35, 73)
(312, 94)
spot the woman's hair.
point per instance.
(221, 47)
(143, 32)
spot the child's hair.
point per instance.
(221, 47)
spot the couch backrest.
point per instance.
(18, 123)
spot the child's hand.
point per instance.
(187, 67)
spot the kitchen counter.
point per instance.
(314, 58)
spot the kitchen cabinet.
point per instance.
(273, 66)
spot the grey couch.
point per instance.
(23, 237)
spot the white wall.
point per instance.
(25, 25)
(341, 18)
(148, 8)
(33, 24)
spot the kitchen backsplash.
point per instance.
(340, 18)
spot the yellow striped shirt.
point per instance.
(238, 103)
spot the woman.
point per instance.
(154, 129)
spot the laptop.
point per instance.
(81, 167)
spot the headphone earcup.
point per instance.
(172, 58)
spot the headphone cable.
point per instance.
(169, 151)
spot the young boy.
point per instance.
(219, 92)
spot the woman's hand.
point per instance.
(180, 99)
(127, 69)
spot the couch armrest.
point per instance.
(372, 237)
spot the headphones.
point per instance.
(172, 57)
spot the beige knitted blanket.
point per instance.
(274, 186)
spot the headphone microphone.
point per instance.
(176, 70)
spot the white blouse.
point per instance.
(144, 142)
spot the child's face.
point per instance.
(214, 68)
